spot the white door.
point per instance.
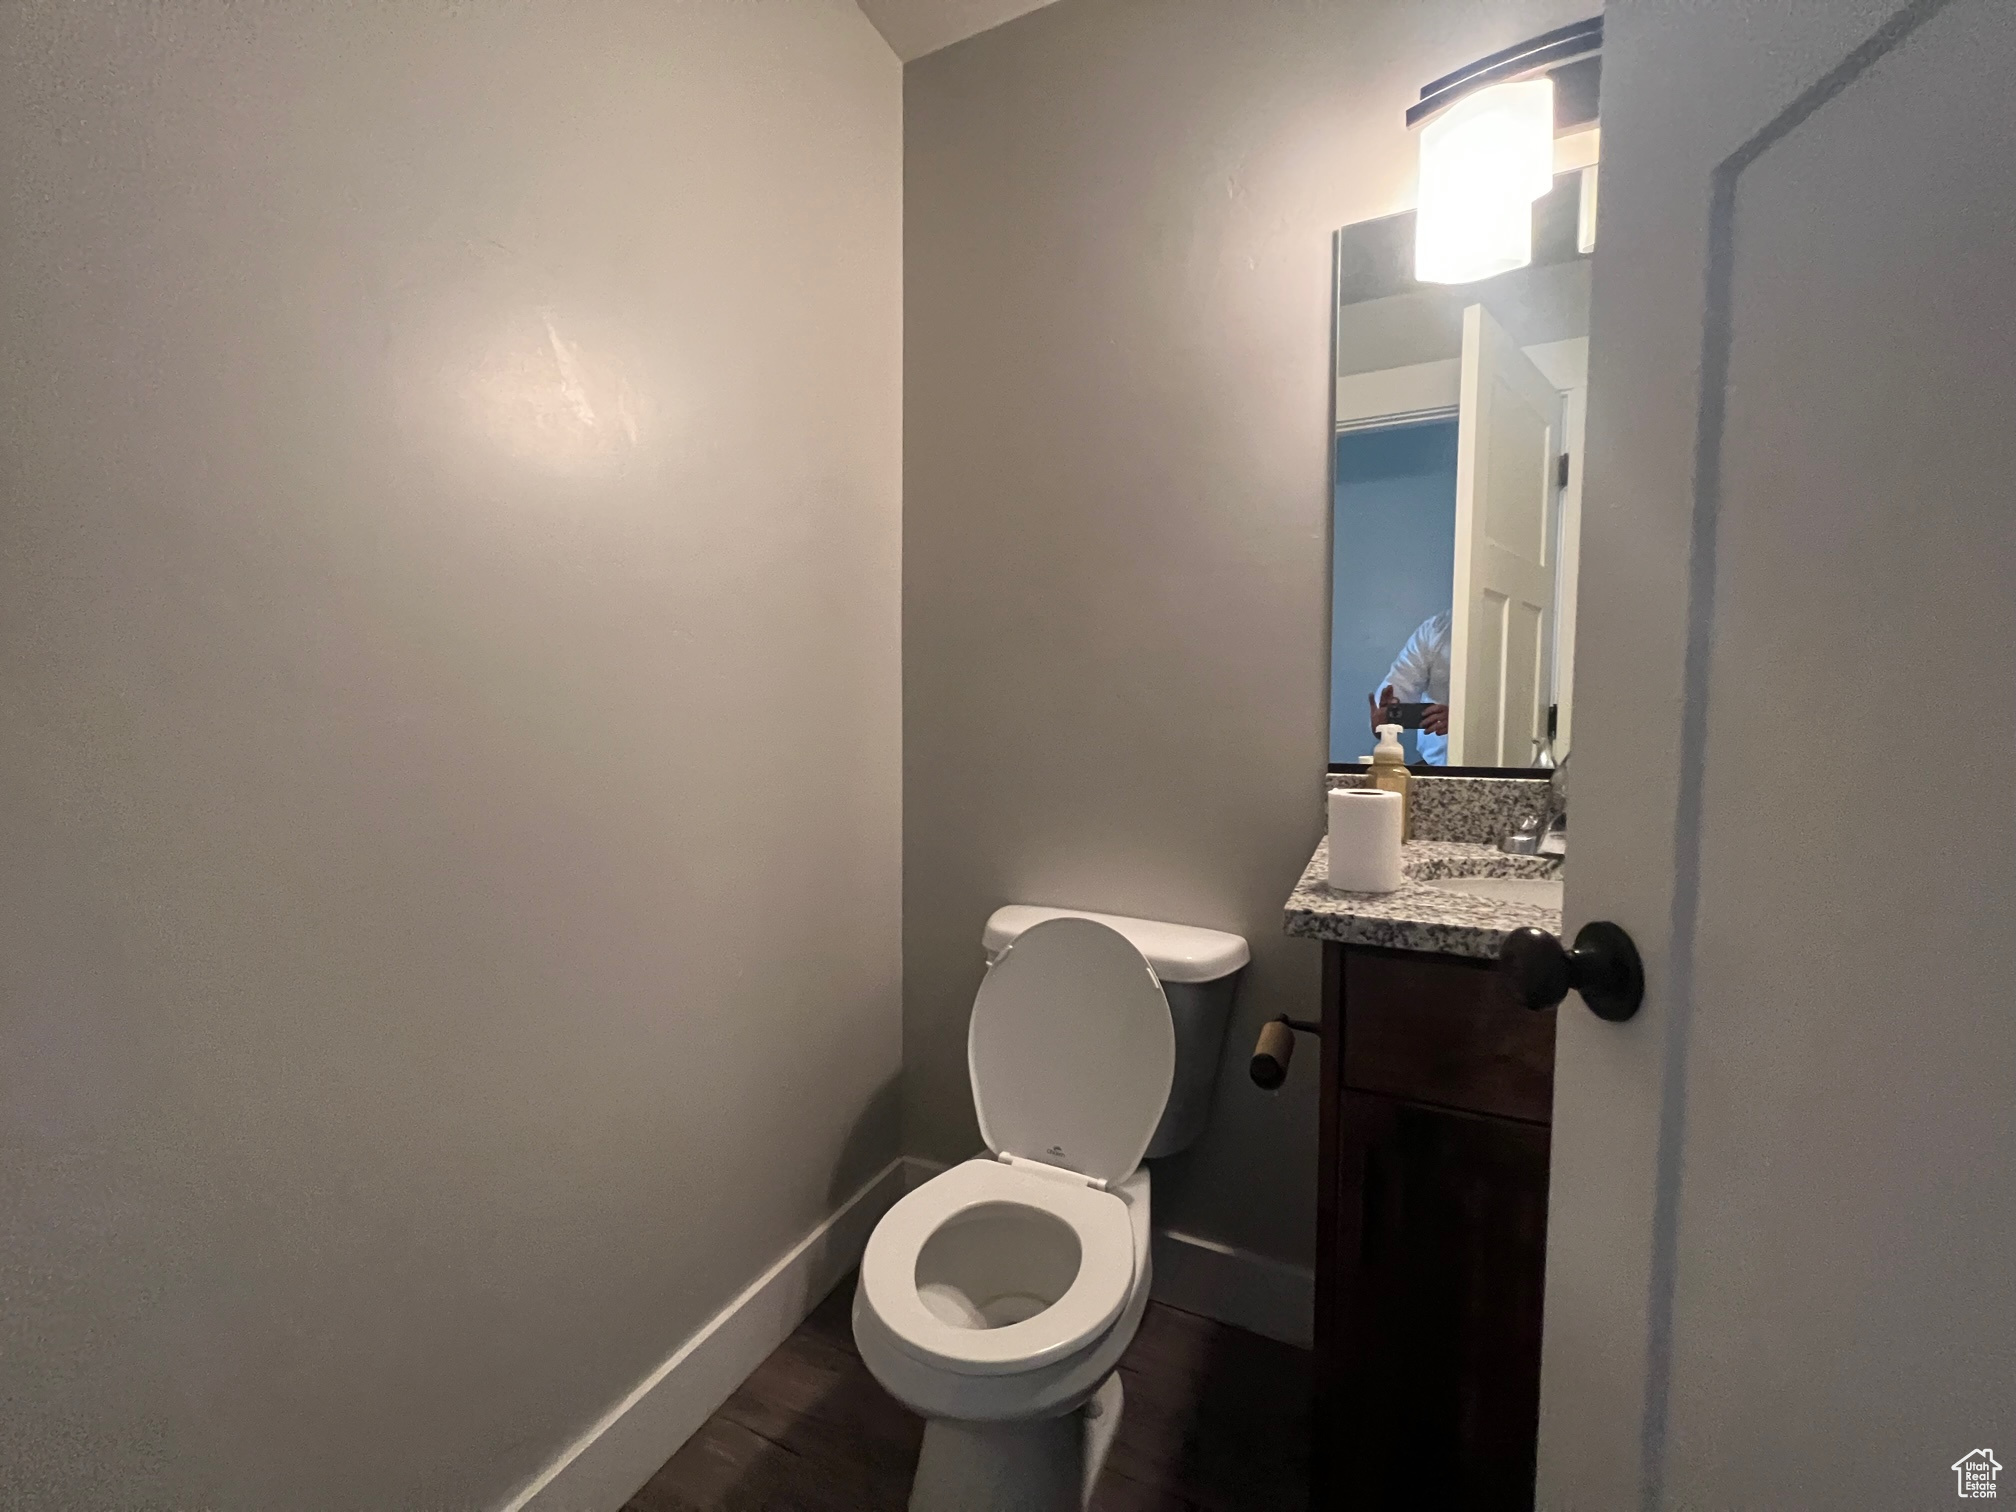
(1781, 1265)
(1507, 439)
(1566, 364)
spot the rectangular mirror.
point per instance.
(1456, 493)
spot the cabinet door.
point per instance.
(1446, 1032)
(1440, 1244)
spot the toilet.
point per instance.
(997, 1298)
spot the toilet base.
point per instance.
(1036, 1465)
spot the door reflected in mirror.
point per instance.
(1456, 496)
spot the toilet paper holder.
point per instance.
(1275, 1049)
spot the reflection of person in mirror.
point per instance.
(1420, 674)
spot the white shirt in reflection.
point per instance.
(1421, 675)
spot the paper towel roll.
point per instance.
(1365, 840)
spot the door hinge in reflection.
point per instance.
(1561, 472)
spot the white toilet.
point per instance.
(998, 1297)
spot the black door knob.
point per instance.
(1603, 967)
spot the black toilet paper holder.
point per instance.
(1275, 1049)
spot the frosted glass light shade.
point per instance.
(1484, 161)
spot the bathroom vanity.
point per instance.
(1437, 1090)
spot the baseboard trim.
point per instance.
(603, 1468)
(1235, 1286)
(1216, 1281)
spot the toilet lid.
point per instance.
(1071, 1050)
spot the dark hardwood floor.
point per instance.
(1217, 1420)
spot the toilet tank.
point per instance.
(1198, 969)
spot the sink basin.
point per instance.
(1543, 891)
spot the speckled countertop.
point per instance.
(1418, 916)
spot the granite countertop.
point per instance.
(1420, 917)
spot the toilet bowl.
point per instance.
(997, 1298)
(929, 1386)
(994, 1269)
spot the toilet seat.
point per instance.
(1088, 1306)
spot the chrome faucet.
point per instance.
(1555, 827)
(1546, 835)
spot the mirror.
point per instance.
(1456, 493)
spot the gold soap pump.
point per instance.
(1389, 771)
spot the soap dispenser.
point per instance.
(1389, 771)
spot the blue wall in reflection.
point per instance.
(1394, 543)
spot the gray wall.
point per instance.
(450, 462)
(1117, 224)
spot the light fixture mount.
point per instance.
(1546, 52)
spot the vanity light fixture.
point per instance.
(1487, 153)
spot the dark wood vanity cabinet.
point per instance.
(1437, 1092)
